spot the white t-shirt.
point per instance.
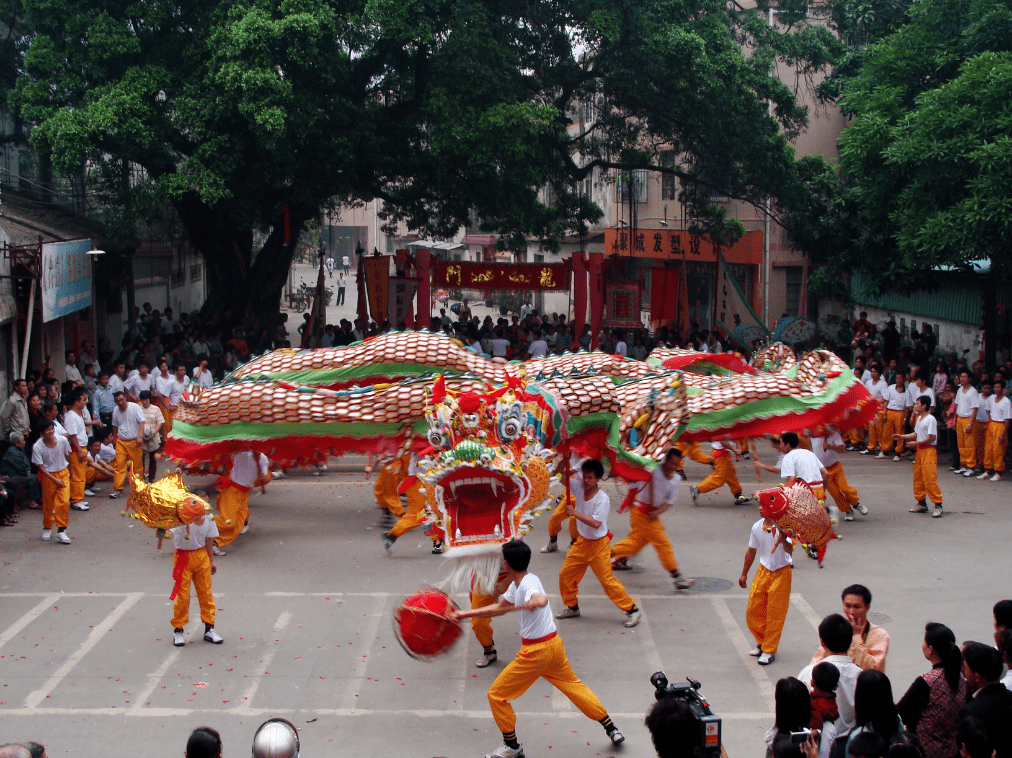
(198, 534)
(622, 349)
(877, 389)
(538, 348)
(74, 423)
(896, 399)
(533, 624)
(246, 468)
(926, 427)
(716, 445)
(163, 384)
(659, 491)
(762, 542)
(176, 392)
(1000, 410)
(499, 347)
(72, 374)
(52, 459)
(127, 422)
(826, 457)
(345, 261)
(916, 392)
(982, 409)
(330, 264)
(596, 508)
(966, 402)
(107, 453)
(204, 378)
(115, 384)
(803, 464)
(136, 384)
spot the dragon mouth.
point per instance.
(478, 504)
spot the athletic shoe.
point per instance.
(245, 528)
(848, 516)
(880, 455)
(62, 538)
(486, 660)
(682, 582)
(921, 507)
(81, 506)
(47, 534)
(937, 513)
(861, 509)
(620, 564)
(896, 458)
(767, 658)
(958, 470)
(867, 451)
(388, 541)
(996, 477)
(279, 474)
(848, 447)
(437, 548)
(756, 651)
(95, 488)
(505, 751)
(632, 618)
(89, 493)
(812, 552)
(217, 550)
(617, 738)
(316, 473)
(551, 547)
(321, 466)
(568, 613)
(968, 472)
(742, 500)
(177, 638)
(694, 492)
(115, 494)
(985, 475)
(212, 636)
(746, 455)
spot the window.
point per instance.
(633, 186)
(196, 272)
(668, 180)
(792, 290)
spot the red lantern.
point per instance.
(422, 624)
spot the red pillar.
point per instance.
(423, 264)
(596, 287)
(579, 265)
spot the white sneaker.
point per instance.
(279, 474)
(47, 534)
(62, 538)
(881, 455)
(617, 738)
(767, 658)
(505, 751)
(551, 547)
(212, 636)
(896, 457)
(81, 506)
(115, 494)
(632, 618)
(958, 470)
(694, 492)
(937, 513)
(486, 660)
(568, 613)
(245, 528)
(861, 509)
(756, 651)
(316, 472)
(322, 467)
(985, 475)
(177, 638)
(968, 472)
(996, 477)
(94, 488)
(848, 516)
(217, 550)
(89, 493)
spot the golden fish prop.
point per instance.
(164, 504)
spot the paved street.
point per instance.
(304, 603)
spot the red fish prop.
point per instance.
(798, 514)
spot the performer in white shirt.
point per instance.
(898, 404)
(51, 453)
(835, 480)
(967, 403)
(647, 501)
(770, 593)
(723, 473)
(542, 653)
(999, 411)
(926, 461)
(78, 439)
(202, 375)
(194, 563)
(249, 470)
(128, 421)
(877, 386)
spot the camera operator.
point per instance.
(674, 729)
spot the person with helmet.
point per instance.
(276, 738)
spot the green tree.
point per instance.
(239, 112)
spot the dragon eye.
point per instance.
(511, 429)
(435, 438)
(471, 419)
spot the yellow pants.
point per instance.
(842, 493)
(542, 659)
(893, 425)
(127, 451)
(556, 519)
(233, 510)
(694, 451)
(385, 489)
(78, 476)
(198, 570)
(167, 412)
(875, 430)
(411, 519)
(767, 606)
(55, 500)
(980, 440)
(964, 439)
(723, 473)
(854, 436)
(926, 475)
(994, 448)
(93, 475)
(595, 555)
(482, 627)
(644, 530)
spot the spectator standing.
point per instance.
(70, 372)
(151, 440)
(137, 383)
(870, 643)
(102, 402)
(14, 413)
(202, 374)
(204, 742)
(874, 708)
(15, 466)
(342, 285)
(329, 263)
(991, 703)
(128, 421)
(346, 264)
(793, 711)
(835, 635)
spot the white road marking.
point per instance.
(155, 678)
(651, 654)
(758, 673)
(806, 610)
(243, 709)
(357, 673)
(11, 631)
(93, 639)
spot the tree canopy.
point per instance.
(238, 110)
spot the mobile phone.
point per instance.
(800, 738)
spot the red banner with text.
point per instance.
(502, 276)
(377, 284)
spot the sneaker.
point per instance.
(880, 455)
(694, 491)
(632, 618)
(620, 564)
(568, 613)
(921, 507)
(64, 539)
(959, 470)
(46, 534)
(321, 467)
(245, 528)
(279, 474)
(848, 516)
(896, 458)
(94, 488)
(682, 582)
(767, 658)
(486, 660)
(617, 738)
(81, 506)
(985, 475)
(746, 455)
(968, 472)
(756, 651)
(437, 548)
(115, 494)
(742, 500)
(505, 751)
(551, 547)
(867, 451)
(177, 638)
(848, 447)
(213, 637)
(937, 513)
(812, 552)
(316, 472)
(861, 509)
(217, 550)
(388, 541)
(996, 477)
(89, 493)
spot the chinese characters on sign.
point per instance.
(65, 278)
(678, 244)
(509, 276)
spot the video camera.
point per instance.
(707, 724)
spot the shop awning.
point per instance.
(434, 245)
(479, 239)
